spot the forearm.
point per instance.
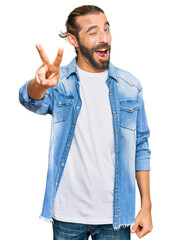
(35, 90)
(143, 181)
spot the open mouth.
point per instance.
(102, 53)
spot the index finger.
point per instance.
(42, 54)
(58, 58)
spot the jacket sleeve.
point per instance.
(42, 106)
(142, 158)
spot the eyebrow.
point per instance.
(95, 26)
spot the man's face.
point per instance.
(94, 40)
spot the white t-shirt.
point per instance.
(85, 193)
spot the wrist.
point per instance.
(146, 205)
(35, 90)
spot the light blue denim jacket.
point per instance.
(130, 131)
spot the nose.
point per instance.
(102, 36)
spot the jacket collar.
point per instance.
(73, 69)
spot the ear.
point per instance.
(72, 40)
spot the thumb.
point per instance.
(134, 228)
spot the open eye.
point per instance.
(107, 29)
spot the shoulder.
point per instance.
(63, 71)
(67, 70)
(128, 78)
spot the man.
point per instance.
(99, 137)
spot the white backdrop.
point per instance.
(141, 44)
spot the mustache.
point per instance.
(102, 45)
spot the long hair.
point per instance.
(71, 24)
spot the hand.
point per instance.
(143, 223)
(48, 74)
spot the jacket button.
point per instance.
(78, 107)
(116, 131)
(72, 125)
(62, 164)
(116, 152)
(114, 112)
(116, 171)
(56, 183)
(59, 102)
(110, 93)
(67, 145)
(116, 190)
(130, 108)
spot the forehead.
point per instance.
(88, 20)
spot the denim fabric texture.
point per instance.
(130, 129)
(76, 231)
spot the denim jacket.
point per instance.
(130, 131)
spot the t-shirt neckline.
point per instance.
(90, 74)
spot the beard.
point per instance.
(88, 54)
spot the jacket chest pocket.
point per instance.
(128, 114)
(62, 104)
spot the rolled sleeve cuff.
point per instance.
(24, 92)
(40, 106)
(142, 164)
(25, 95)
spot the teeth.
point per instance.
(101, 50)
